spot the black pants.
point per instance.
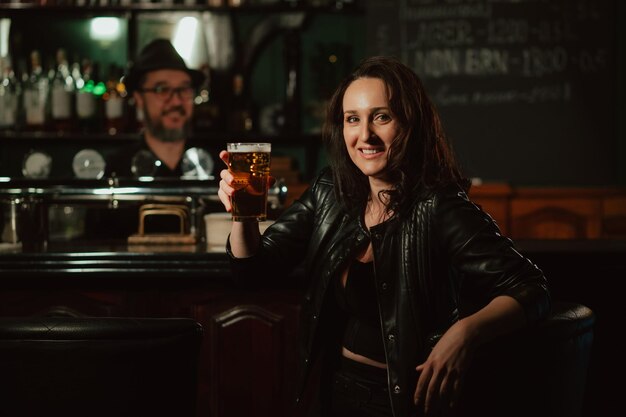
(360, 390)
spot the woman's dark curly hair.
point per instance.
(420, 157)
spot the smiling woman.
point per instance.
(395, 254)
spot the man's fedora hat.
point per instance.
(158, 54)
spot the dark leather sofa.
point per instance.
(69, 366)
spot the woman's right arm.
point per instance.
(283, 246)
(244, 239)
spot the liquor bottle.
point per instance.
(9, 95)
(62, 95)
(36, 89)
(207, 113)
(114, 102)
(242, 112)
(86, 108)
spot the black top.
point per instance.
(363, 334)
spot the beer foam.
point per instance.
(249, 147)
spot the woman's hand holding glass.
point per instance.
(226, 189)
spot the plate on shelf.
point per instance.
(36, 164)
(88, 164)
(197, 164)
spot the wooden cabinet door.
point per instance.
(248, 364)
(544, 214)
(614, 217)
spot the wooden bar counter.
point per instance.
(248, 356)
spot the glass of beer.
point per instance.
(250, 165)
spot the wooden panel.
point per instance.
(246, 363)
(546, 212)
(494, 199)
(614, 217)
(555, 218)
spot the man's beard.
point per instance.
(156, 128)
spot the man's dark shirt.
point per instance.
(120, 163)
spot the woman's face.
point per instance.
(369, 127)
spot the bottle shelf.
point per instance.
(282, 7)
(295, 139)
(60, 137)
(305, 147)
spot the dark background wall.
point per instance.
(528, 90)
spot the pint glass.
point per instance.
(250, 165)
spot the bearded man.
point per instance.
(164, 89)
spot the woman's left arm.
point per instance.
(500, 291)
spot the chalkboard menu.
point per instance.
(526, 88)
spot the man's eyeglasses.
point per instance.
(165, 93)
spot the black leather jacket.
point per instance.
(443, 260)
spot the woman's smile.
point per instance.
(370, 153)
